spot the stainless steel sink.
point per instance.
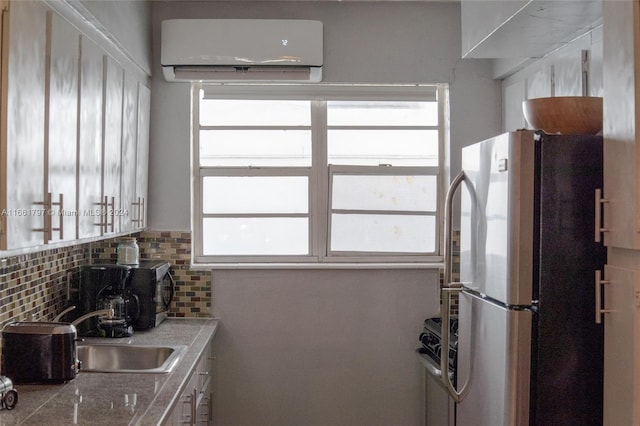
(121, 358)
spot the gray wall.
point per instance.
(320, 347)
(328, 348)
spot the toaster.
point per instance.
(39, 352)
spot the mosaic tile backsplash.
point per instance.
(193, 288)
(39, 285)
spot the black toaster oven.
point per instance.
(151, 281)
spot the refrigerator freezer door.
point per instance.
(494, 356)
(497, 214)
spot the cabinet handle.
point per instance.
(188, 418)
(47, 225)
(599, 201)
(113, 213)
(46, 217)
(101, 206)
(599, 310)
(60, 227)
(137, 219)
(194, 405)
(104, 221)
(140, 212)
(3, 229)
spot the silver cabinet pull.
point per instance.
(599, 229)
(47, 214)
(60, 227)
(113, 213)
(139, 220)
(599, 309)
(46, 217)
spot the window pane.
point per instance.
(255, 194)
(237, 148)
(373, 147)
(349, 113)
(406, 193)
(227, 112)
(383, 233)
(255, 236)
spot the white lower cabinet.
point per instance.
(621, 308)
(194, 406)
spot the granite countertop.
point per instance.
(117, 398)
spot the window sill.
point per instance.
(311, 265)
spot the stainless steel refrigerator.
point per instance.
(529, 350)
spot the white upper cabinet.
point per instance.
(90, 218)
(112, 144)
(523, 28)
(142, 155)
(620, 127)
(74, 131)
(22, 126)
(61, 127)
(129, 160)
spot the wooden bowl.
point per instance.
(567, 115)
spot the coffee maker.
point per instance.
(106, 286)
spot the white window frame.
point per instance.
(318, 173)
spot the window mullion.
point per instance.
(318, 188)
(196, 190)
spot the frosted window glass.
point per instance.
(373, 113)
(401, 147)
(235, 148)
(383, 233)
(255, 194)
(392, 193)
(228, 112)
(255, 236)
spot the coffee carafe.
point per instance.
(126, 307)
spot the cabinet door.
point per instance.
(621, 338)
(90, 141)
(620, 130)
(61, 128)
(142, 166)
(204, 392)
(23, 125)
(112, 146)
(129, 160)
(184, 412)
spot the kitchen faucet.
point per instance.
(109, 313)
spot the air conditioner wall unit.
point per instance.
(241, 50)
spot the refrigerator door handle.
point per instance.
(448, 213)
(457, 395)
(447, 289)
